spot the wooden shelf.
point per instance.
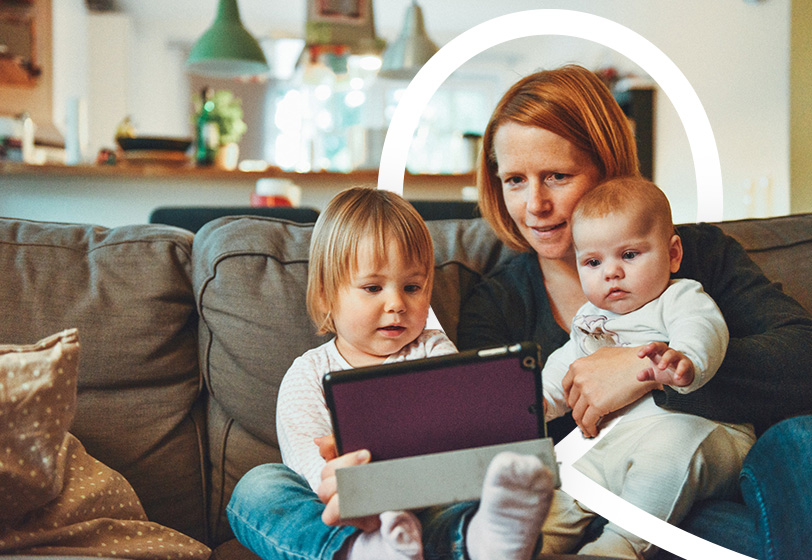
(131, 171)
(15, 73)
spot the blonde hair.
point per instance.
(571, 102)
(633, 196)
(354, 216)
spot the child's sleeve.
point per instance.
(301, 416)
(437, 343)
(696, 328)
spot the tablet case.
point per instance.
(428, 480)
(472, 399)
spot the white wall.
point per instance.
(109, 45)
(70, 67)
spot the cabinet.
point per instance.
(18, 46)
(637, 102)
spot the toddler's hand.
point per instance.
(328, 491)
(327, 447)
(669, 366)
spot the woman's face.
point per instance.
(543, 176)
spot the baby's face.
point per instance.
(382, 309)
(622, 267)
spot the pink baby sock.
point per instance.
(516, 495)
(399, 538)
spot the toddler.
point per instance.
(369, 282)
(626, 249)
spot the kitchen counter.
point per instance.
(113, 195)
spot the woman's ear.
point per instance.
(675, 252)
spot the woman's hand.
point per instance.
(603, 382)
(328, 489)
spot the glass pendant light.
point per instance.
(411, 50)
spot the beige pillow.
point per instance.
(37, 404)
(55, 499)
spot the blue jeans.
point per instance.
(275, 513)
(777, 486)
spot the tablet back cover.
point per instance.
(461, 401)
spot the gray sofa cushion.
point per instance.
(782, 247)
(250, 278)
(128, 291)
(464, 250)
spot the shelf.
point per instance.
(134, 171)
(16, 73)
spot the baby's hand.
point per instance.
(669, 366)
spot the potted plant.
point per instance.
(226, 111)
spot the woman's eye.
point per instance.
(558, 177)
(513, 181)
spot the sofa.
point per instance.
(185, 338)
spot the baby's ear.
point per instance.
(675, 252)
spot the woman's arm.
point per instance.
(766, 375)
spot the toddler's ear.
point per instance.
(322, 314)
(675, 252)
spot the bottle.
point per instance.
(28, 128)
(208, 131)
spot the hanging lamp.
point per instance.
(411, 50)
(227, 49)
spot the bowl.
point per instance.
(154, 143)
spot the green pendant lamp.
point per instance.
(227, 49)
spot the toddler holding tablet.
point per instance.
(626, 249)
(369, 282)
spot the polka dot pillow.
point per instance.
(55, 499)
(37, 404)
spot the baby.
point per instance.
(626, 249)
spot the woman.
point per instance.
(553, 137)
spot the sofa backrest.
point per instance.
(782, 247)
(249, 279)
(128, 291)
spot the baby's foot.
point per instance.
(516, 495)
(399, 538)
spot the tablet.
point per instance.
(447, 403)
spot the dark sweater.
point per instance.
(766, 375)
